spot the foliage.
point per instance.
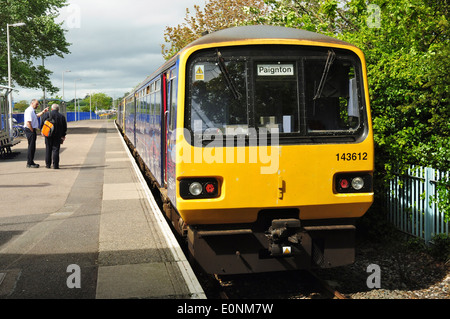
(21, 106)
(99, 100)
(216, 15)
(41, 37)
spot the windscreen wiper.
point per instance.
(224, 70)
(330, 59)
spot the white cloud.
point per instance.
(115, 44)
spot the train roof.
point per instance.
(261, 32)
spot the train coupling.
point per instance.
(284, 237)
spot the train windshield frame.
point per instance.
(303, 94)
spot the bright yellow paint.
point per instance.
(304, 172)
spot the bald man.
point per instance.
(31, 124)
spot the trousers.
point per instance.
(31, 137)
(52, 148)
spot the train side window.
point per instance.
(157, 110)
(151, 104)
(157, 104)
(172, 103)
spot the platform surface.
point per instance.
(89, 230)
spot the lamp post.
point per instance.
(75, 109)
(43, 88)
(90, 103)
(10, 126)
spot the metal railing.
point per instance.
(410, 204)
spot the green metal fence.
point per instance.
(411, 206)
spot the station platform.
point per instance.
(89, 230)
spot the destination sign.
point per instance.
(275, 69)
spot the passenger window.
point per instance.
(173, 103)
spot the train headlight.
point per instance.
(195, 189)
(357, 183)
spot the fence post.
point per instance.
(429, 211)
(412, 208)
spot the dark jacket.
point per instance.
(60, 124)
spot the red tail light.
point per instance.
(210, 188)
(344, 183)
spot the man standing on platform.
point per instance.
(53, 143)
(31, 124)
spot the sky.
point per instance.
(115, 44)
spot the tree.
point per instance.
(20, 107)
(217, 15)
(40, 38)
(99, 100)
(323, 16)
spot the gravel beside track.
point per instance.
(406, 273)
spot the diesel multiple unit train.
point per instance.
(259, 139)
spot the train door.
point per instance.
(164, 131)
(169, 132)
(134, 119)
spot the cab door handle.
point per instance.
(281, 187)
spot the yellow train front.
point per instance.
(269, 152)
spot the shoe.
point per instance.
(55, 167)
(47, 166)
(33, 166)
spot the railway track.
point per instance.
(285, 285)
(334, 294)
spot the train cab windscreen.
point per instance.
(303, 94)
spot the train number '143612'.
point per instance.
(346, 157)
